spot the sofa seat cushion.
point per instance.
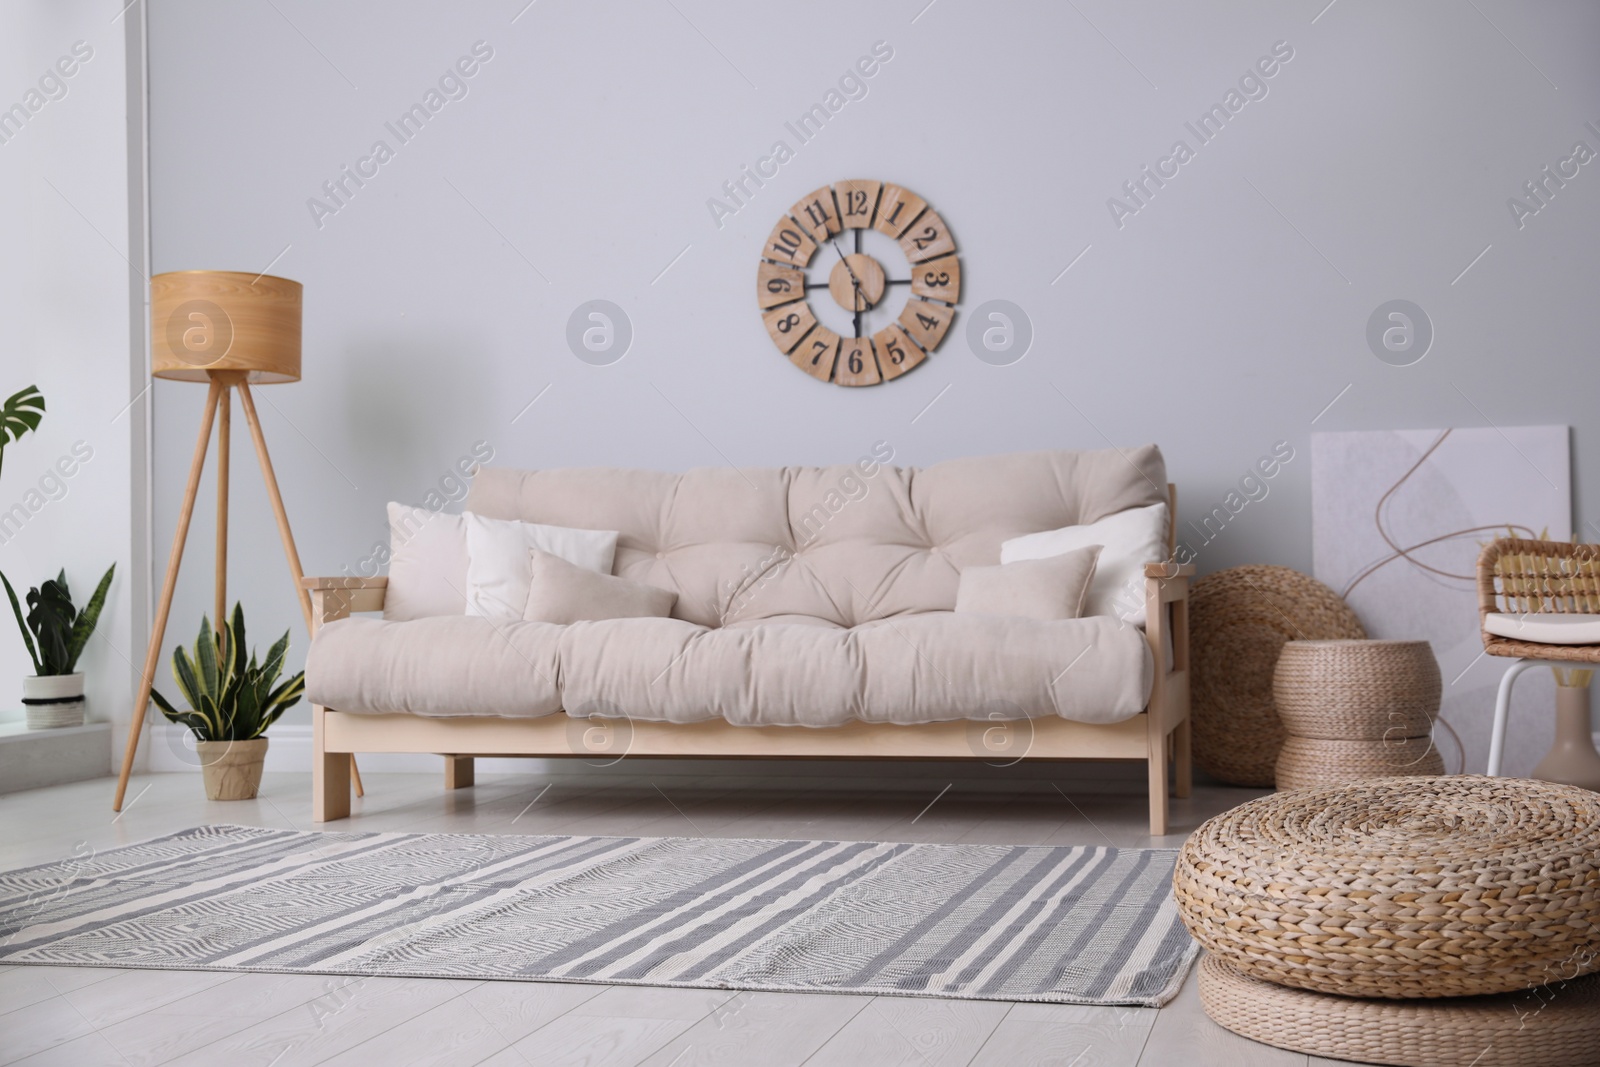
(925, 667)
(442, 666)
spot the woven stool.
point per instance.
(1355, 709)
(1554, 1026)
(1401, 887)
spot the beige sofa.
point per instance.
(814, 619)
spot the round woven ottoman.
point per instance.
(1355, 709)
(1554, 1026)
(1401, 887)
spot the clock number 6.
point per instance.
(855, 361)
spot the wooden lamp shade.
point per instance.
(205, 321)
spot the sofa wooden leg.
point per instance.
(1157, 757)
(458, 772)
(330, 775)
(1183, 758)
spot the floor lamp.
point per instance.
(229, 330)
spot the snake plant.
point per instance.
(54, 630)
(231, 699)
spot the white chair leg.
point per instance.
(1502, 712)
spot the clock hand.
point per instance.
(861, 297)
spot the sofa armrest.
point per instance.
(336, 597)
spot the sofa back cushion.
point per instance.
(846, 544)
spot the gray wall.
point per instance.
(67, 501)
(1222, 317)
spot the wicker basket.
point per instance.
(1355, 690)
(1401, 887)
(1316, 762)
(1555, 1026)
(1519, 576)
(1239, 620)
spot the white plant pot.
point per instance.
(53, 700)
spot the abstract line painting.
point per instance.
(1398, 519)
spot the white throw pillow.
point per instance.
(427, 564)
(1131, 538)
(498, 569)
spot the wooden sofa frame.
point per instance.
(1160, 735)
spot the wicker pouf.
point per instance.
(1401, 887)
(1355, 709)
(1555, 1026)
(1239, 621)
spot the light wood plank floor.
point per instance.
(85, 1017)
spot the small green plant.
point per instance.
(232, 700)
(55, 631)
(20, 413)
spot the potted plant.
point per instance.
(56, 633)
(233, 701)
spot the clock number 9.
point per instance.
(788, 242)
(855, 361)
(788, 322)
(936, 280)
(778, 285)
(897, 355)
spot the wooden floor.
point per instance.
(85, 1017)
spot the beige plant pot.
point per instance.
(232, 769)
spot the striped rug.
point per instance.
(994, 922)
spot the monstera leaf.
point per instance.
(20, 413)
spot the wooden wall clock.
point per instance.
(809, 249)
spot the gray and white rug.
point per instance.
(994, 922)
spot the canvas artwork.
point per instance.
(1399, 517)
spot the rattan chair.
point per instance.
(1538, 604)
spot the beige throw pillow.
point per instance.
(1047, 589)
(563, 592)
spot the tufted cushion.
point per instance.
(927, 667)
(841, 545)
